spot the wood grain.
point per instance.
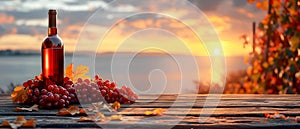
(182, 111)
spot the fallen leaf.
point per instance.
(155, 112)
(19, 122)
(97, 107)
(32, 108)
(99, 116)
(86, 119)
(116, 117)
(73, 110)
(19, 95)
(276, 115)
(29, 124)
(107, 108)
(82, 111)
(69, 71)
(5, 123)
(92, 118)
(80, 72)
(116, 105)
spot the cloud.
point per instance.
(6, 19)
(207, 5)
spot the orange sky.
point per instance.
(227, 25)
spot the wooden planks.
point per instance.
(182, 111)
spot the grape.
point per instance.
(55, 97)
(42, 102)
(50, 87)
(56, 89)
(79, 80)
(50, 96)
(61, 102)
(64, 97)
(44, 91)
(36, 92)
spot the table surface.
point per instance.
(182, 111)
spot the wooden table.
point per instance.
(183, 111)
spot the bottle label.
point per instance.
(53, 64)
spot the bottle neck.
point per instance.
(52, 30)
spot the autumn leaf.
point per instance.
(69, 71)
(30, 109)
(263, 5)
(19, 95)
(116, 117)
(96, 107)
(116, 105)
(155, 112)
(250, 1)
(29, 124)
(5, 123)
(276, 115)
(19, 122)
(86, 119)
(80, 72)
(92, 118)
(73, 110)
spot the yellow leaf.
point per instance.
(116, 117)
(155, 112)
(265, 65)
(19, 94)
(80, 72)
(69, 71)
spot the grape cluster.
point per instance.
(52, 95)
(88, 91)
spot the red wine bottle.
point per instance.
(52, 53)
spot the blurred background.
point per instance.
(23, 25)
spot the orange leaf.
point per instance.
(86, 119)
(32, 108)
(116, 105)
(29, 124)
(69, 71)
(92, 118)
(263, 5)
(20, 120)
(250, 1)
(19, 94)
(5, 123)
(73, 110)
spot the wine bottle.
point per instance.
(52, 53)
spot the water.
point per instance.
(144, 73)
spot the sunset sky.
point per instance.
(23, 24)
